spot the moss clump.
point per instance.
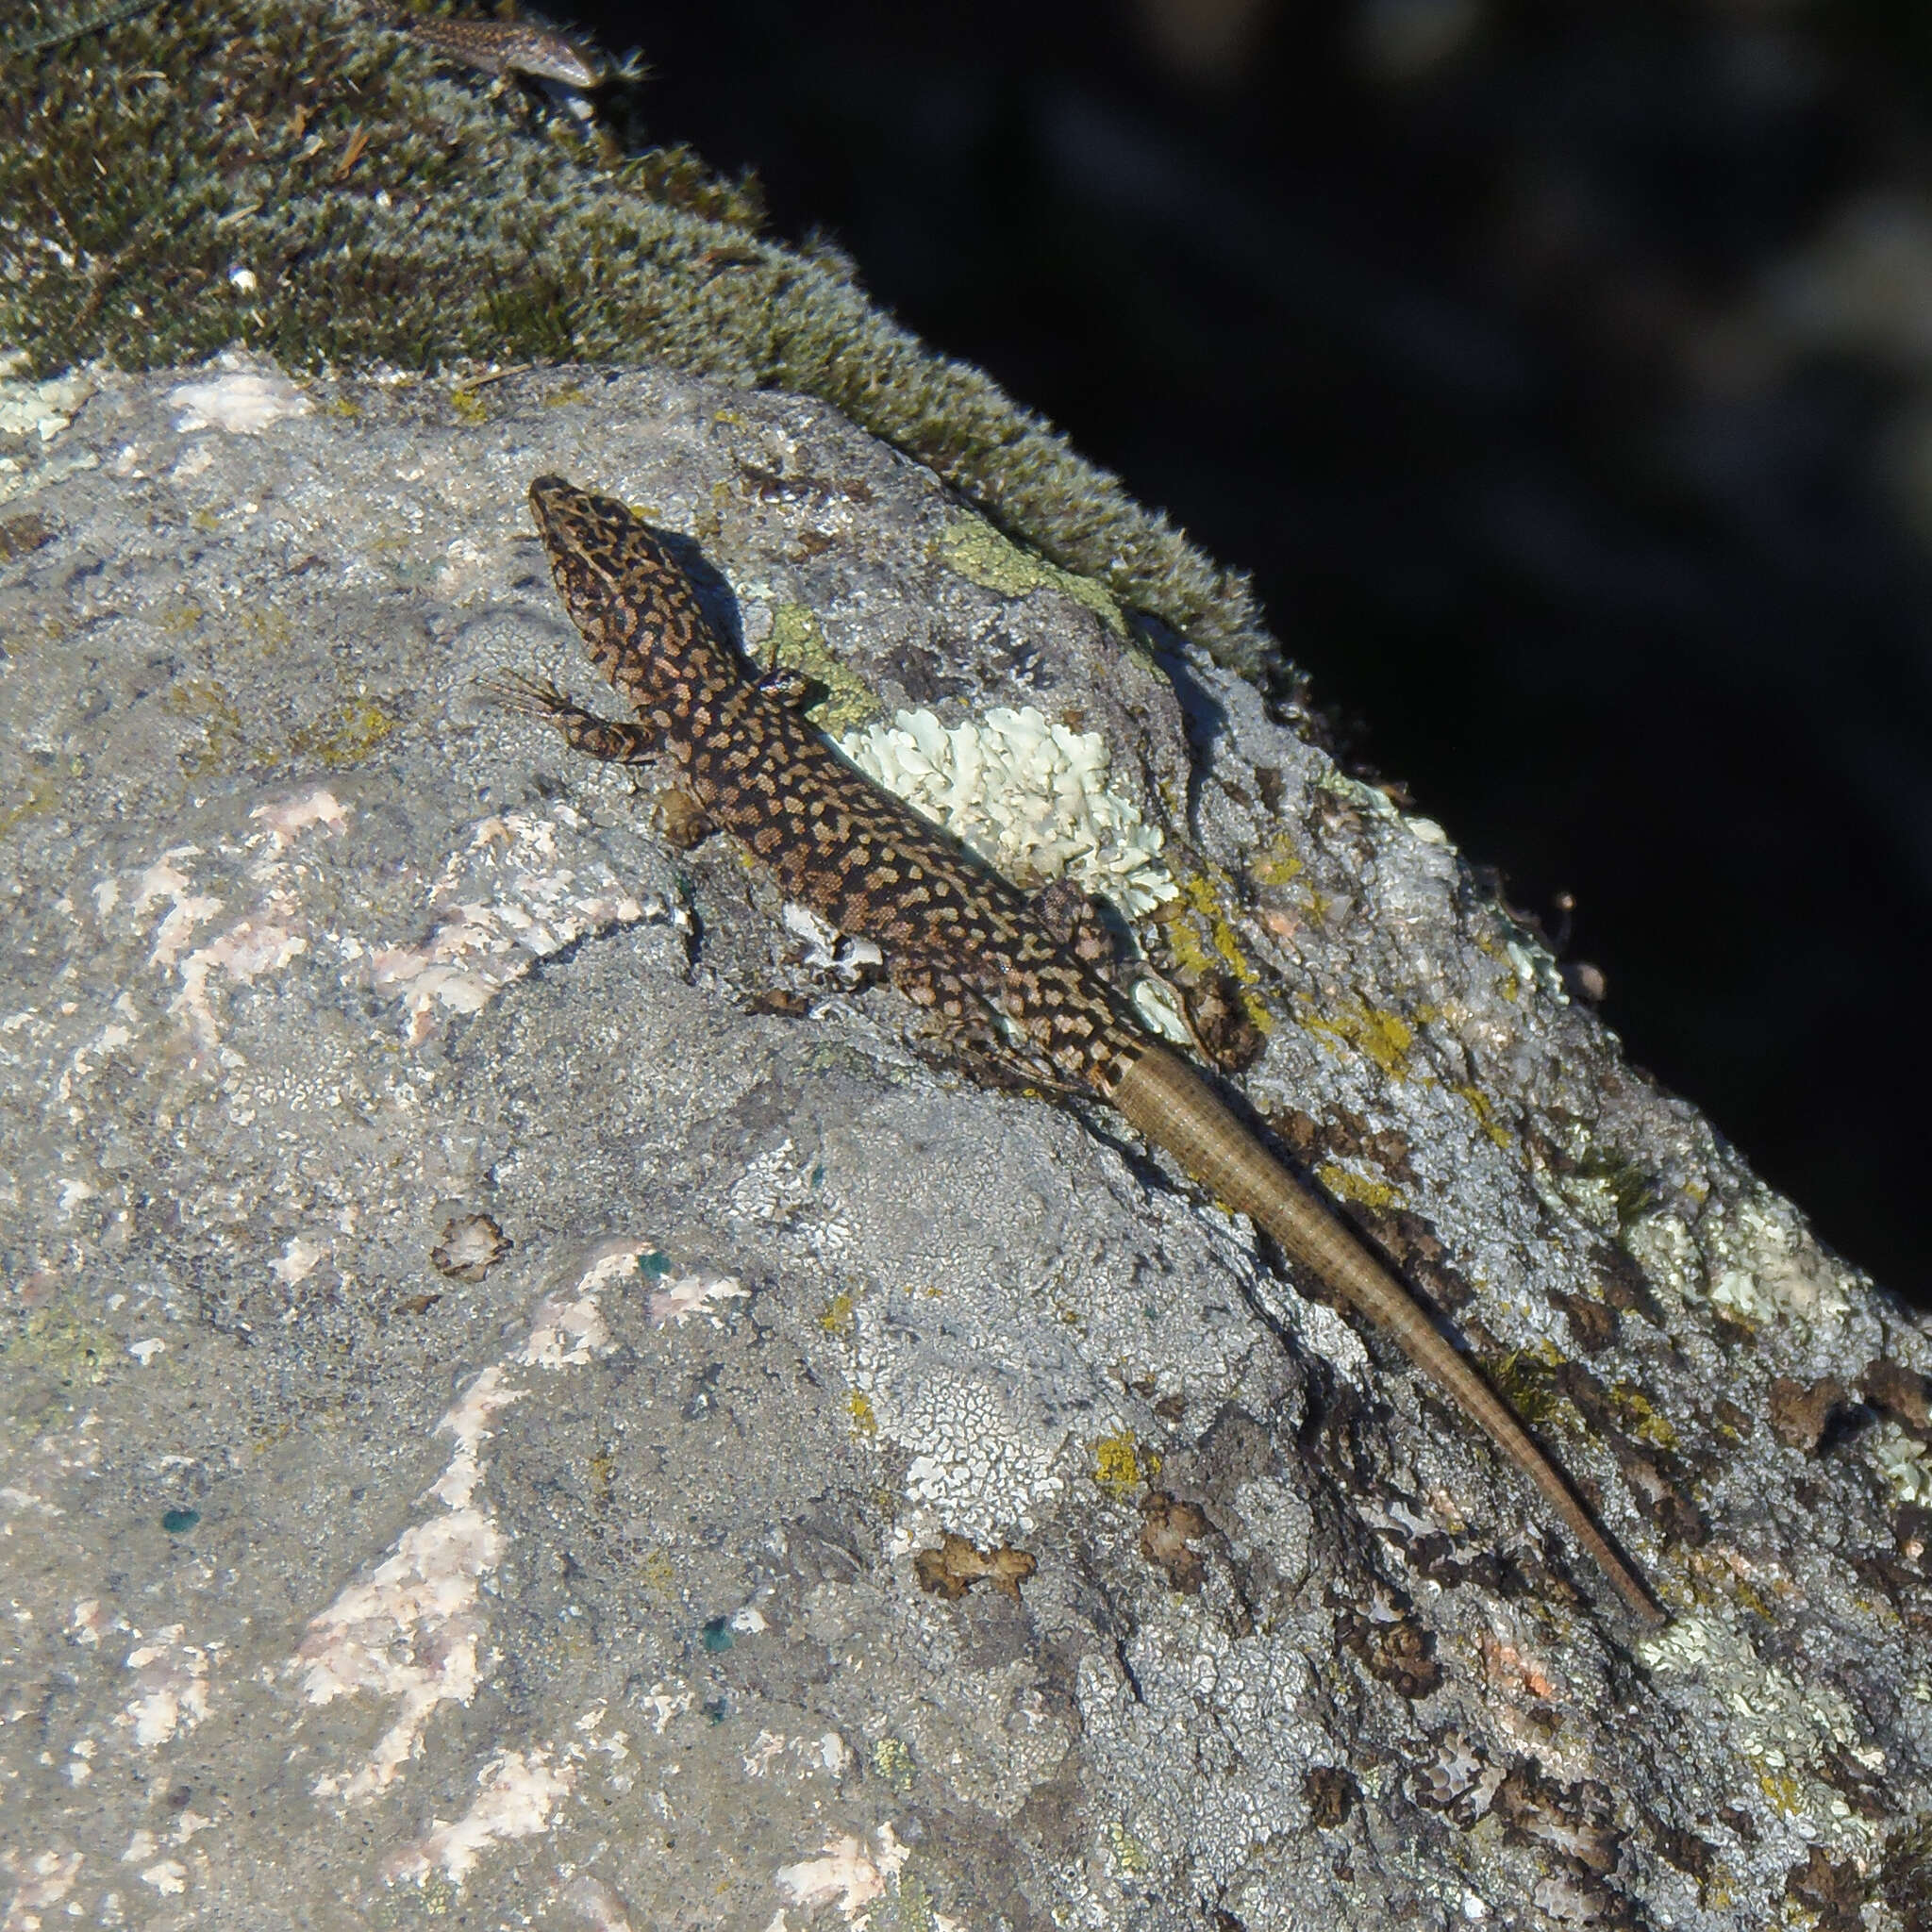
(292, 177)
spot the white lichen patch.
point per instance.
(807, 1757)
(504, 901)
(678, 1297)
(286, 819)
(778, 1190)
(410, 1633)
(171, 1677)
(1030, 796)
(981, 1464)
(40, 409)
(1190, 1672)
(241, 400)
(40, 1881)
(517, 1795)
(847, 1875)
(509, 895)
(1904, 1462)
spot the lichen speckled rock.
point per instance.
(496, 1315)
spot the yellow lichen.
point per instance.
(346, 735)
(468, 407)
(1117, 1463)
(865, 1420)
(1635, 1410)
(1384, 1036)
(658, 1574)
(835, 1319)
(1277, 865)
(1201, 943)
(1481, 1106)
(1353, 1187)
(798, 644)
(271, 627)
(979, 554)
(207, 704)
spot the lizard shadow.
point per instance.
(1203, 717)
(712, 590)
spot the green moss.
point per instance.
(294, 177)
(799, 644)
(1524, 1379)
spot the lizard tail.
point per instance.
(1175, 1108)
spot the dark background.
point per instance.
(1563, 375)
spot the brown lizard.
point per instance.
(516, 46)
(960, 941)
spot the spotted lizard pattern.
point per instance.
(996, 967)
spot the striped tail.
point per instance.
(1176, 1109)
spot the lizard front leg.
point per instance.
(682, 817)
(584, 731)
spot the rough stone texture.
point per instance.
(483, 1370)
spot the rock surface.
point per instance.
(527, 1400)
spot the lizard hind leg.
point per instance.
(960, 1027)
(584, 731)
(1074, 919)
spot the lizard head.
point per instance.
(620, 586)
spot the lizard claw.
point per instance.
(512, 691)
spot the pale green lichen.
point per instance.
(1904, 1462)
(797, 643)
(1028, 796)
(979, 554)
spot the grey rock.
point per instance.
(499, 1329)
